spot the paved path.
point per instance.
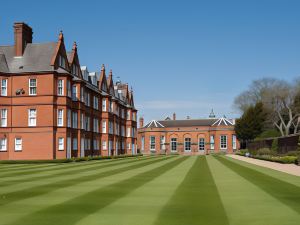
(286, 168)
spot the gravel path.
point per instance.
(286, 168)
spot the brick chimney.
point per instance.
(174, 116)
(23, 35)
(141, 122)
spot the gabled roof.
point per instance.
(191, 122)
(3, 64)
(110, 84)
(74, 59)
(223, 121)
(102, 82)
(36, 58)
(154, 124)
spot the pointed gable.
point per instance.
(103, 82)
(110, 84)
(59, 58)
(131, 100)
(74, 61)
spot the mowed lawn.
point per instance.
(157, 190)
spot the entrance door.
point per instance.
(201, 145)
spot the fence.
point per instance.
(285, 144)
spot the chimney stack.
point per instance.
(23, 36)
(141, 122)
(174, 116)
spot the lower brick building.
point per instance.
(189, 137)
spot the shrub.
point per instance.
(264, 151)
(293, 153)
(274, 147)
(279, 159)
(268, 134)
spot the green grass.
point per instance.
(157, 190)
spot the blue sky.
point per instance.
(180, 56)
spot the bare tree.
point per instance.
(278, 98)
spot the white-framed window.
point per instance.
(187, 144)
(201, 144)
(69, 89)
(96, 103)
(128, 131)
(104, 145)
(32, 117)
(32, 86)
(3, 144)
(3, 117)
(111, 127)
(87, 123)
(143, 143)
(234, 142)
(110, 145)
(75, 142)
(223, 142)
(104, 105)
(173, 144)
(74, 92)
(61, 143)
(96, 144)
(128, 115)
(122, 130)
(83, 121)
(75, 69)
(134, 116)
(18, 144)
(60, 87)
(69, 118)
(212, 142)
(104, 127)
(60, 117)
(61, 61)
(82, 94)
(4, 87)
(162, 142)
(152, 142)
(74, 120)
(96, 125)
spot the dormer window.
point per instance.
(75, 70)
(61, 61)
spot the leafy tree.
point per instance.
(251, 124)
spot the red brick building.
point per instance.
(52, 108)
(190, 137)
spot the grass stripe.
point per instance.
(44, 168)
(271, 172)
(245, 203)
(69, 171)
(44, 189)
(286, 193)
(6, 168)
(144, 203)
(82, 206)
(196, 200)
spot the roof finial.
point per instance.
(74, 45)
(131, 89)
(61, 36)
(102, 67)
(212, 114)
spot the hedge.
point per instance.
(80, 159)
